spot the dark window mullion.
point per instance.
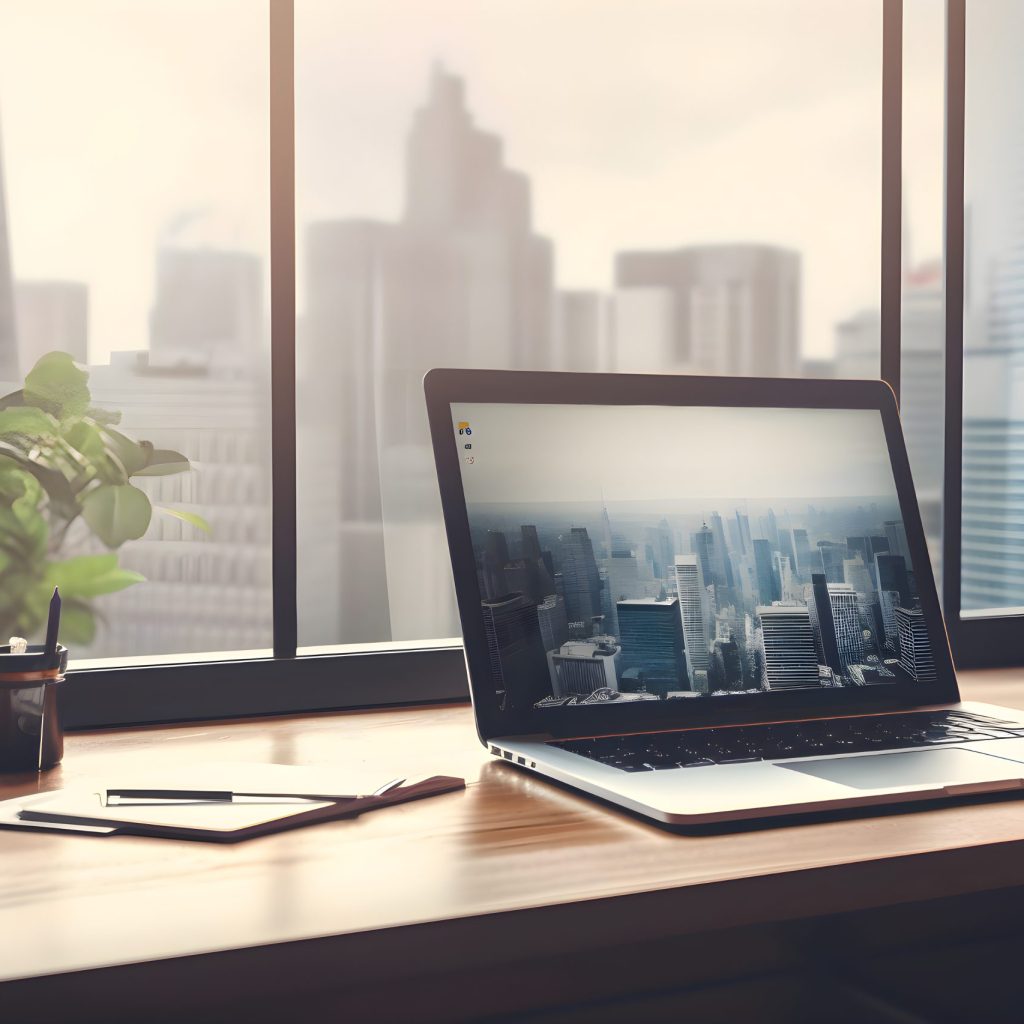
(892, 192)
(282, 323)
(953, 246)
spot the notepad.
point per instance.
(82, 807)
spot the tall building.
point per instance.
(823, 624)
(52, 316)
(743, 526)
(519, 669)
(808, 560)
(581, 582)
(737, 307)
(769, 586)
(694, 611)
(846, 616)
(915, 648)
(789, 658)
(554, 625)
(720, 565)
(651, 633)
(203, 592)
(580, 667)
(9, 365)
(462, 279)
(495, 559)
(891, 574)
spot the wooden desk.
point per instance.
(513, 871)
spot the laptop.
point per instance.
(704, 599)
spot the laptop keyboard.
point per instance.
(695, 748)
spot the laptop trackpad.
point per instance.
(914, 768)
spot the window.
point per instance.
(680, 203)
(678, 187)
(135, 153)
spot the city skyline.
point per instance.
(227, 138)
(668, 606)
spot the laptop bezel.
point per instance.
(445, 387)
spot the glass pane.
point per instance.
(692, 187)
(993, 436)
(923, 337)
(135, 159)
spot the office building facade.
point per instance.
(651, 635)
(789, 660)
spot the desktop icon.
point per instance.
(468, 431)
(470, 460)
(467, 446)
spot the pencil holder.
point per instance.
(31, 732)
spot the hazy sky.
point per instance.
(624, 453)
(639, 122)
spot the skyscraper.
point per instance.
(554, 626)
(494, 561)
(891, 574)
(743, 525)
(694, 611)
(721, 564)
(790, 660)
(581, 582)
(737, 307)
(9, 367)
(915, 648)
(808, 560)
(651, 632)
(462, 279)
(823, 624)
(518, 664)
(580, 667)
(846, 616)
(769, 586)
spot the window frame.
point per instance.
(982, 641)
(289, 681)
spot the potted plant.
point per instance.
(66, 483)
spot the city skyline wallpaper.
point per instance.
(654, 553)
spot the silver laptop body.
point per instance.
(704, 599)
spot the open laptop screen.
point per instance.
(668, 553)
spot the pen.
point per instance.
(53, 624)
(227, 795)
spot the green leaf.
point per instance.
(133, 455)
(192, 518)
(57, 385)
(85, 436)
(77, 624)
(90, 576)
(27, 421)
(164, 462)
(117, 513)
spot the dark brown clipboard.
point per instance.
(335, 810)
